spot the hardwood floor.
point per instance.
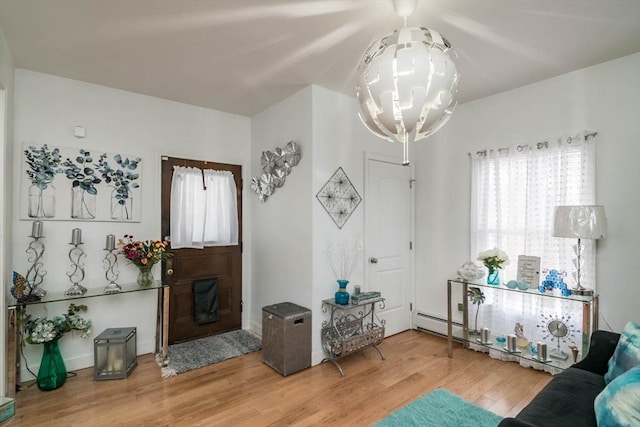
(246, 392)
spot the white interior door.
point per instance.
(388, 205)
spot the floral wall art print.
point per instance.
(62, 183)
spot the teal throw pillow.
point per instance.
(626, 354)
(619, 403)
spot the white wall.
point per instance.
(46, 109)
(281, 226)
(6, 163)
(339, 140)
(291, 229)
(603, 98)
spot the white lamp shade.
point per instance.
(407, 85)
(580, 222)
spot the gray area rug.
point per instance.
(199, 353)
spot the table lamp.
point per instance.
(581, 222)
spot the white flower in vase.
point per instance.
(343, 260)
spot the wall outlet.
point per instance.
(460, 307)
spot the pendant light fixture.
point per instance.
(407, 83)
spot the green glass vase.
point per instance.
(52, 373)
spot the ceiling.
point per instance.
(242, 56)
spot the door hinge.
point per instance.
(241, 306)
(411, 181)
(410, 246)
(410, 306)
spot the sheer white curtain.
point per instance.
(514, 192)
(187, 208)
(221, 219)
(204, 208)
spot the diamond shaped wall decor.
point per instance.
(339, 197)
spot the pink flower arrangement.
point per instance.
(143, 253)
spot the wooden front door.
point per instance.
(189, 265)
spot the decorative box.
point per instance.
(114, 353)
(286, 337)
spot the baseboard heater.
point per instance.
(434, 324)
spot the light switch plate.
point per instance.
(79, 131)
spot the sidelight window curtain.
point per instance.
(514, 192)
(221, 218)
(203, 208)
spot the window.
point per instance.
(203, 208)
(513, 195)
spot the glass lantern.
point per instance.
(114, 353)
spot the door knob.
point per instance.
(373, 260)
(169, 265)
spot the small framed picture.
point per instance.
(529, 270)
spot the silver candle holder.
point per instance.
(35, 251)
(111, 266)
(512, 346)
(76, 256)
(541, 349)
(484, 337)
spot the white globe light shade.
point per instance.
(407, 85)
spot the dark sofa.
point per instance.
(568, 398)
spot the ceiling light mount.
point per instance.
(407, 83)
(404, 8)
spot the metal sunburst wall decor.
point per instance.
(276, 164)
(339, 197)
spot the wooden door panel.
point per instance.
(189, 265)
(203, 266)
(180, 306)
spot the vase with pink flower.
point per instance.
(144, 255)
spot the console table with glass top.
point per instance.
(17, 308)
(589, 321)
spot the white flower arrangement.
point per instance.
(343, 259)
(41, 329)
(494, 258)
